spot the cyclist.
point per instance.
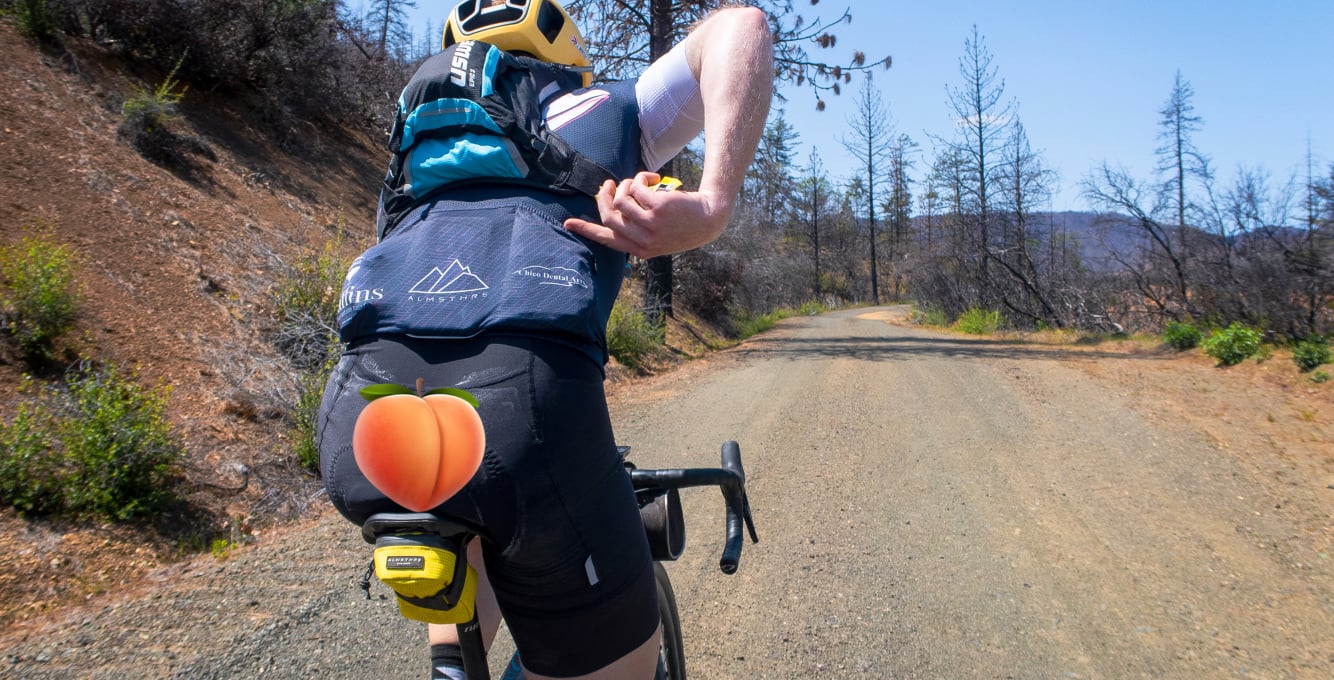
(446, 295)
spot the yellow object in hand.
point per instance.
(668, 184)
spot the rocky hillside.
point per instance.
(176, 267)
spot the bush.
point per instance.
(630, 336)
(120, 445)
(284, 57)
(306, 304)
(34, 18)
(310, 393)
(977, 321)
(146, 116)
(39, 298)
(1233, 344)
(812, 308)
(30, 471)
(931, 316)
(1181, 335)
(306, 312)
(746, 324)
(706, 282)
(101, 447)
(1311, 354)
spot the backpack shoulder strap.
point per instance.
(476, 88)
(553, 162)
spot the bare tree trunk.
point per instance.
(871, 142)
(978, 103)
(875, 261)
(658, 273)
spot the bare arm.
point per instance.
(731, 54)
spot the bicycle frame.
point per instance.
(659, 503)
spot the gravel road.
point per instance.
(928, 506)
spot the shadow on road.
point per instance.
(899, 348)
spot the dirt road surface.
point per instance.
(929, 506)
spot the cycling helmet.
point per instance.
(539, 28)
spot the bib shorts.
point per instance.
(564, 546)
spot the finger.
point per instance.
(625, 188)
(629, 202)
(616, 240)
(591, 230)
(614, 231)
(648, 179)
(606, 195)
(646, 195)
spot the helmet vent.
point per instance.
(550, 21)
(482, 18)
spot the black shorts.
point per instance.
(564, 546)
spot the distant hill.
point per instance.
(1098, 235)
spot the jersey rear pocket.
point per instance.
(461, 272)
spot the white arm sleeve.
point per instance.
(671, 110)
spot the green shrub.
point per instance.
(34, 18)
(1312, 353)
(153, 107)
(936, 318)
(631, 338)
(1320, 377)
(1182, 335)
(306, 312)
(306, 304)
(812, 308)
(145, 116)
(30, 466)
(120, 444)
(310, 392)
(1232, 345)
(101, 447)
(286, 54)
(746, 324)
(39, 297)
(977, 321)
(222, 549)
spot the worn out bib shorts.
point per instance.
(563, 542)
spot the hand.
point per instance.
(647, 223)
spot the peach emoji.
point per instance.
(418, 450)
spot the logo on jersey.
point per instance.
(455, 279)
(571, 107)
(459, 72)
(553, 276)
(352, 295)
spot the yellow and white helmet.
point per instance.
(538, 28)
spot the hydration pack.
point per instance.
(473, 113)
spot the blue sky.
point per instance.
(1089, 77)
